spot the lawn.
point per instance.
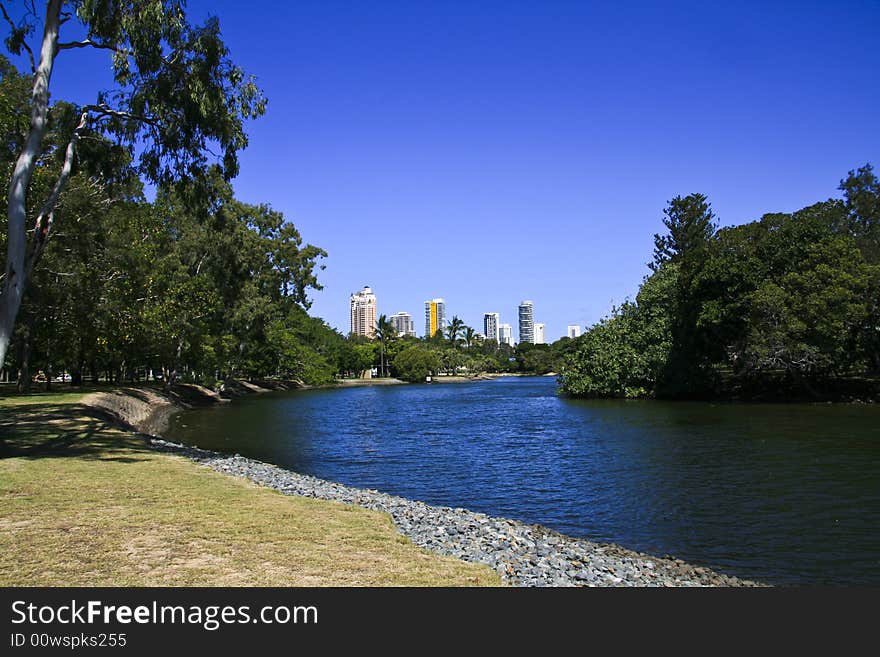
(85, 504)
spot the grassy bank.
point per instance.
(84, 503)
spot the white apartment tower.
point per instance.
(526, 322)
(505, 334)
(363, 313)
(573, 331)
(404, 325)
(491, 326)
(540, 337)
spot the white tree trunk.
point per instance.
(15, 278)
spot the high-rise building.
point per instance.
(491, 322)
(573, 331)
(403, 323)
(363, 313)
(526, 322)
(505, 334)
(435, 316)
(539, 334)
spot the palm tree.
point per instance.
(454, 329)
(385, 333)
(469, 336)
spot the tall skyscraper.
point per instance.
(363, 313)
(435, 316)
(526, 322)
(491, 325)
(403, 323)
(539, 334)
(573, 331)
(505, 334)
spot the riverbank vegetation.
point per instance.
(456, 350)
(787, 306)
(113, 517)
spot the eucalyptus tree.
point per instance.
(177, 96)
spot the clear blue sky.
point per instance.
(492, 152)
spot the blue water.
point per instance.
(779, 493)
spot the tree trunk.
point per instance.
(76, 374)
(24, 371)
(15, 279)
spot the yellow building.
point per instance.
(435, 316)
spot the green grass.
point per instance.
(40, 398)
(86, 504)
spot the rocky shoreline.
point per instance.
(524, 555)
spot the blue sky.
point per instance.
(492, 152)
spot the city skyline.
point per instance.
(365, 304)
(478, 324)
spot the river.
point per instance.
(785, 494)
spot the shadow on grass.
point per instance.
(64, 431)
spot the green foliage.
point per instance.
(861, 189)
(625, 354)
(791, 298)
(386, 334)
(454, 330)
(296, 360)
(209, 294)
(177, 89)
(539, 361)
(806, 323)
(690, 224)
(177, 104)
(416, 363)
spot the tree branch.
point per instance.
(23, 42)
(88, 43)
(106, 110)
(46, 217)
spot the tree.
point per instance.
(606, 362)
(454, 330)
(806, 323)
(469, 336)
(385, 334)
(624, 355)
(361, 356)
(690, 224)
(416, 363)
(790, 299)
(861, 189)
(177, 96)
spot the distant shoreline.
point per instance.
(388, 381)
